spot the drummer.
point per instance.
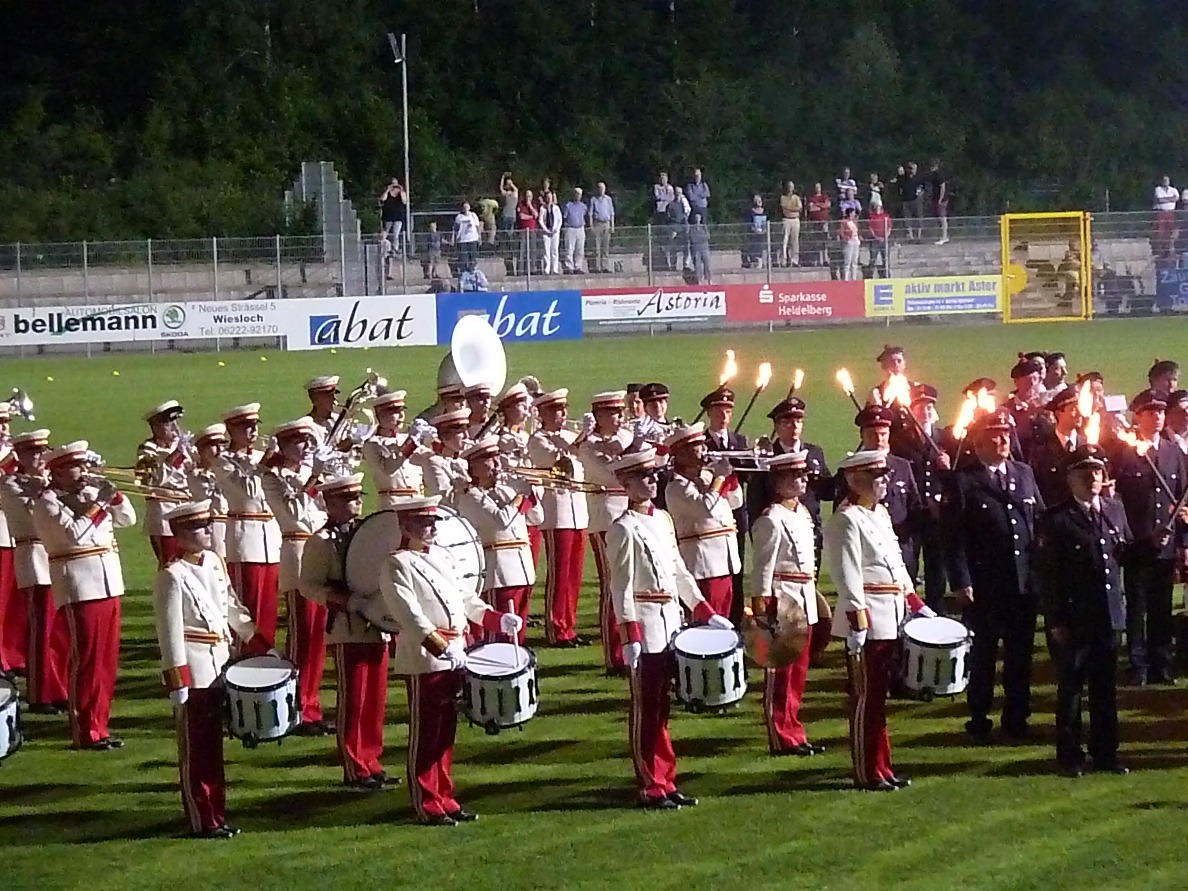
(784, 596)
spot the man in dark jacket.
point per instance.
(719, 410)
(1052, 446)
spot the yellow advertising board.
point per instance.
(939, 295)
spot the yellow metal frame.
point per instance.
(1086, 272)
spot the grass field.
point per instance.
(556, 798)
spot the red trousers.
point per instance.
(362, 696)
(165, 548)
(94, 659)
(612, 640)
(783, 691)
(508, 600)
(305, 647)
(432, 723)
(868, 677)
(718, 593)
(565, 556)
(255, 583)
(651, 746)
(535, 539)
(49, 647)
(200, 758)
(14, 618)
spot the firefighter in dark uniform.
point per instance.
(1053, 446)
(1026, 401)
(719, 411)
(1080, 544)
(961, 451)
(1149, 566)
(989, 514)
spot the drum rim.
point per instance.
(280, 685)
(495, 677)
(740, 643)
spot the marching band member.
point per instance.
(449, 398)
(515, 408)
(903, 499)
(719, 410)
(360, 649)
(648, 582)
(388, 453)
(196, 613)
(654, 427)
(203, 486)
(14, 618)
(323, 405)
(49, 635)
(164, 460)
(633, 407)
(496, 510)
(1054, 444)
(422, 591)
(76, 520)
(478, 401)
(874, 592)
(702, 501)
(292, 500)
(443, 470)
(782, 586)
(566, 518)
(606, 439)
(930, 466)
(253, 536)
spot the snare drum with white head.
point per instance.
(500, 688)
(262, 699)
(936, 656)
(10, 718)
(710, 667)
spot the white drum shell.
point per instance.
(500, 688)
(936, 664)
(712, 676)
(263, 703)
(10, 719)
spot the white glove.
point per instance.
(926, 612)
(178, 697)
(510, 623)
(588, 423)
(720, 622)
(631, 653)
(107, 492)
(855, 641)
(422, 433)
(721, 467)
(455, 654)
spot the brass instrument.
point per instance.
(742, 460)
(20, 403)
(129, 480)
(554, 479)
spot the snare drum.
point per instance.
(710, 668)
(936, 656)
(262, 700)
(10, 718)
(500, 689)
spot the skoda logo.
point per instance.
(173, 317)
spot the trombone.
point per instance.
(554, 478)
(130, 486)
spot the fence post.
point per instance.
(214, 271)
(86, 286)
(280, 282)
(342, 288)
(148, 253)
(767, 228)
(649, 254)
(528, 260)
(20, 277)
(403, 263)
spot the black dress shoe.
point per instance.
(103, 745)
(43, 708)
(880, 786)
(805, 749)
(659, 803)
(329, 728)
(462, 815)
(1115, 767)
(580, 641)
(217, 832)
(619, 671)
(385, 780)
(680, 799)
(439, 820)
(227, 827)
(1072, 771)
(899, 782)
(1017, 732)
(62, 705)
(310, 728)
(1136, 677)
(367, 784)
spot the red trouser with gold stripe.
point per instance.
(49, 647)
(718, 593)
(362, 670)
(305, 646)
(165, 548)
(612, 639)
(432, 724)
(94, 659)
(200, 758)
(868, 677)
(647, 724)
(513, 599)
(783, 691)
(14, 618)
(535, 542)
(255, 583)
(565, 556)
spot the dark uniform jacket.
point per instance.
(1047, 462)
(909, 446)
(949, 442)
(1148, 504)
(733, 442)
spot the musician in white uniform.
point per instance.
(288, 490)
(602, 442)
(48, 655)
(76, 520)
(14, 619)
(783, 593)
(497, 509)
(209, 443)
(162, 460)
(478, 401)
(388, 453)
(423, 592)
(514, 410)
(444, 471)
(253, 536)
(874, 596)
(198, 619)
(360, 649)
(566, 518)
(649, 582)
(323, 405)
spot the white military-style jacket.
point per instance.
(253, 535)
(783, 542)
(439, 473)
(704, 518)
(649, 580)
(389, 464)
(168, 469)
(422, 592)
(299, 512)
(79, 537)
(30, 561)
(866, 565)
(563, 509)
(597, 453)
(498, 516)
(203, 486)
(322, 582)
(196, 612)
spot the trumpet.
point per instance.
(554, 479)
(742, 460)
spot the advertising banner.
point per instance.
(360, 322)
(515, 316)
(1171, 288)
(807, 302)
(651, 305)
(942, 295)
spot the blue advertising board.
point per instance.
(1171, 287)
(516, 315)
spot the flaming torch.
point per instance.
(729, 370)
(847, 384)
(761, 381)
(797, 382)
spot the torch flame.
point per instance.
(1092, 428)
(965, 417)
(1128, 437)
(763, 376)
(1085, 399)
(897, 389)
(847, 382)
(797, 379)
(986, 400)
(729, 369)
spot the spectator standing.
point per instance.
(488, 210)
(466, 237)
(662, 195)
(843, 182)
(526, 224)
(698, 195)
(874, 187)
(847, 234)
(385, 252)
(755, 237)
(1165, 195)
(791, 207)
(574, 216)
(911, 192)
(878, 228)
(432, 255)
(549, 218)
(850, 202)
(1165, 218)
(939, 184)
(602, 221)
(509, 198)
(699, 248)
(678, 221)
(893, 197)
(819, 207)
(393, 203)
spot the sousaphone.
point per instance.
(476, 356)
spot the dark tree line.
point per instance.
(187, 119)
